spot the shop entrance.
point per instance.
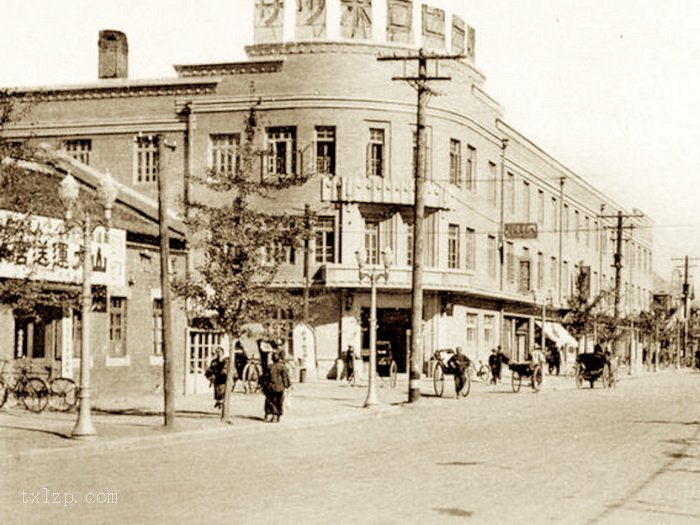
(393, 325)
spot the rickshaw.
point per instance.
(442, 368)
(592, 367)
(386, 366)
(525, 369)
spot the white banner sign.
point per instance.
(43, 251)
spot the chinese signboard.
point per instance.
(520, 230)
(43, 251)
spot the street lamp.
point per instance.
(77, 215)
(373, 273)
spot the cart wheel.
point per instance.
(515, 381)
(579, 378)
(3, 392)
(439, 380)
(467, 386)
(537, 378)
(393, 370)
(251, 379)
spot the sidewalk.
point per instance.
(134, 422)
(138, 422)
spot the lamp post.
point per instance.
(68, 192)
(373, 273)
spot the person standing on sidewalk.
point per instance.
(274, 393)
(350, 365)
(216, 374)
(495, 363)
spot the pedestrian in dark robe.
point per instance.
(459, 363)
(216, 374)
(274, 392)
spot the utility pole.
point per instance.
(307, 260)
(686, 306)
(421, 84)
(164, 230)
(617, 258)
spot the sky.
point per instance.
(607, 87)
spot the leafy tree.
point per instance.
(241, 246)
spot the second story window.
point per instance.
(455, 162)
(79, 149)
(470, 173)
(223, 157)
(470, 261)
(325, 150)
(453, 246)
(491, 255)
(526, 201)
(376, 153)
(281, 157)
(325, 240)
(493, 182)
(146, 161)
(510, 262)
(372, 242)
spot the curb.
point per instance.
(174, 438)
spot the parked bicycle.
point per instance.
(32, 391)
(63, 392)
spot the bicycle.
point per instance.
(63, 392)
(252, 372)
(481, 372)
(31, 391)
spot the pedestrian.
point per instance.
(350, 364)
(495, 363)
(216, 374)
(459, 363)
(240, 359)
(274, 392)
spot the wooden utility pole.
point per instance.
(421, 84)
(617, 257)
(167, 336)
(686, 306)
(307, 260)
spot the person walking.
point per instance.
(216, 374)
(495, 362)
(459, 363)
(350, 365)
(274, 391)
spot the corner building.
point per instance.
(330, 108)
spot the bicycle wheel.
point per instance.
(484, 374)
(467, 386)
(35, 394)
(439, 380)
(393, 371)
(63, 394)
(3, 392)
(251, 379)
(537, 378)
(515, 381)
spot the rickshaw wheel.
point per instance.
(393, 370)
(467, 386)
(515, 381)
(579, 378)
(439, 380)
(537, 378)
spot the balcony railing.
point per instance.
(378, 190)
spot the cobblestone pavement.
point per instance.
(628, 455)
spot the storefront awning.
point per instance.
(557, 333)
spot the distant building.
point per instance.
(508, 226)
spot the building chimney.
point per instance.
(113, 59)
